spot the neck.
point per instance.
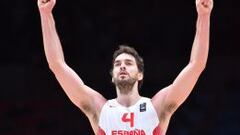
(128, 97)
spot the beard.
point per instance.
(125, 85)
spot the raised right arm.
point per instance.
(88, 100)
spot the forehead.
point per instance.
(124, 56)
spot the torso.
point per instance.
(138, 119)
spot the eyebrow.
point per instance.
(127, 60)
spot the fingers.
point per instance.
(45, 1)
(42, 2)
(46, 6)
(204, 6)
(204, 3)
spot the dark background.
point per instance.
(33, 103)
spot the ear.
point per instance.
(112, 80)
(140, 76)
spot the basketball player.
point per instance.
(129, 113)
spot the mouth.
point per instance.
(123, 74)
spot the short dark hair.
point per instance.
(131, 51)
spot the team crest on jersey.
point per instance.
(143, 107)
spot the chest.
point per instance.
(140, 119)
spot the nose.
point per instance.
(122, 68)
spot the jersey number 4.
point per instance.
(128, 117)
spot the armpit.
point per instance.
(167, 110)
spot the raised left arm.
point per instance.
(170, 98)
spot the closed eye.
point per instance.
(117, 63)
(128, 62)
